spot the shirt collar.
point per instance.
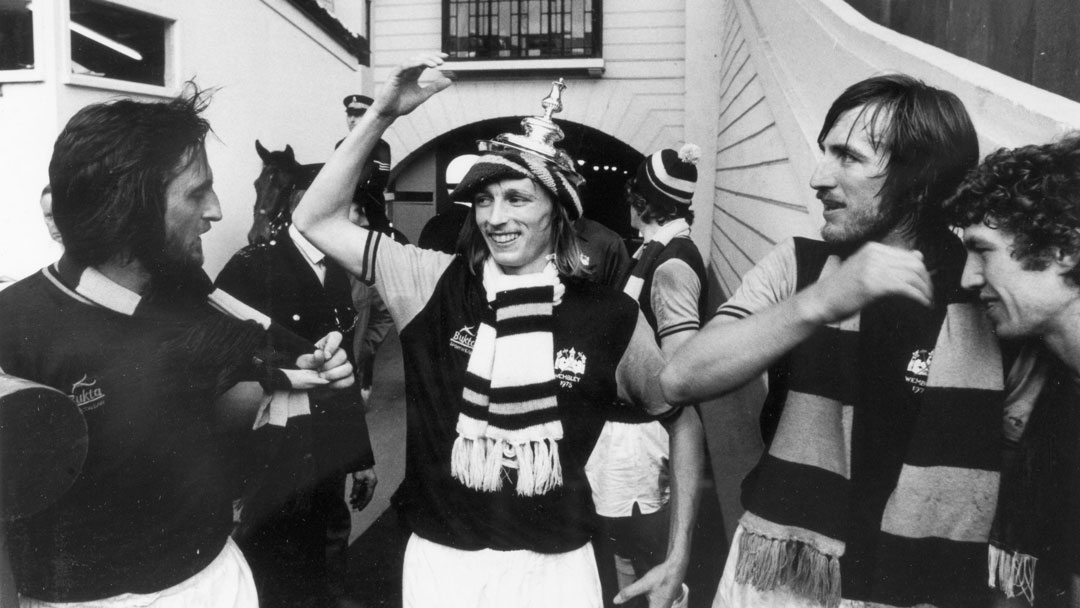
(670, 230)
(90, 286)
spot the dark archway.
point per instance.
(605, 161)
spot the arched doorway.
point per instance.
(604, 161)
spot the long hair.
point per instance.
(110, 169)
(564, 243)
(928, 136)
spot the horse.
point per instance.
(281, 177)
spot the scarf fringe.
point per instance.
(769, 563)
(1013, 573)
(478, 463)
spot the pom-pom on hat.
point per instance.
(670, 175)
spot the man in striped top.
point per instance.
(883, 417)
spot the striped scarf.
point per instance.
(646, 255)
(509, 412)
(938, 512)
(1026, 483)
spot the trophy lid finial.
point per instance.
(541, 134)
(552, 104)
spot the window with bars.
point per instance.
(521, 29)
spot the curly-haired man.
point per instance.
(1020, 211)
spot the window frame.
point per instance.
(591, 65)
(41, 32)
(171, 88)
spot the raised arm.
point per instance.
(727, 353)
(730, 351)
(323, 214)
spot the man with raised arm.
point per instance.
(513, 362)
(160, 365)
(885, 382)
(1020, 211)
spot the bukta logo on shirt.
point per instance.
(464, 339)
(918, 369)
(569, 366)
(86, 394)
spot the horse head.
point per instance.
(273, 188)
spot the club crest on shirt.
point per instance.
(86, 394)
(918, 369)
(569, 366)
(464, 339)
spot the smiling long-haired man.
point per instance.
(883, 416)
(513, 361)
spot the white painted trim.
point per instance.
(302, 22)
(121, 86)
(34, 74)
(593, 66)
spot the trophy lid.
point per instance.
(541, 134)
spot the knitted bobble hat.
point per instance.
(670, 175)
(532, 155)
(513, 164)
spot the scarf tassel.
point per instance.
(768, 563)
(1013, 573)
(467, 461)
(492, 455)
(478, 464)
(539, 469)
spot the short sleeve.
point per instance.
(770, 282)
(405, 275)
(674, 296)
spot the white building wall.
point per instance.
(758, 200)
(639, 99)
(280, 79)
(28, 115)
(783, 64)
